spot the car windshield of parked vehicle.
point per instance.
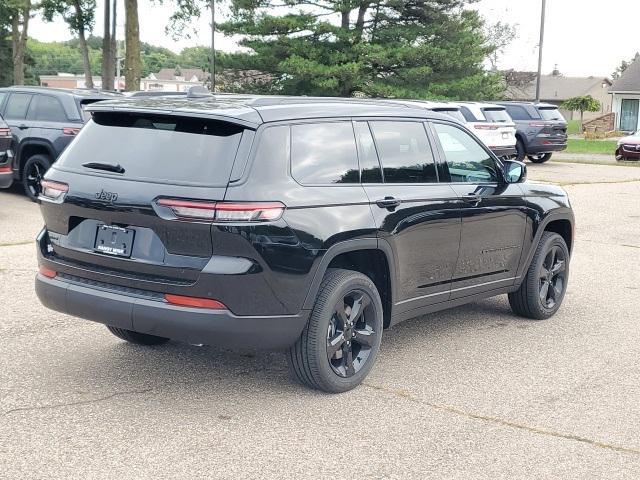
(499, 115)
(550, 113)
(157, 148)
(455, 113)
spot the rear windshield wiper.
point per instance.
(109, 167)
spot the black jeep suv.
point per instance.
(43, 122)
(541, 130)
(258, 222)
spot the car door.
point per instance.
(50, 122)
(15, 114)
(417, 216)
(493, 214)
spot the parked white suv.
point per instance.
(492, 124)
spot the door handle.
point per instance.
(389, 202)
(472, 199)
(22, 127)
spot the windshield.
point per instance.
(157, 148)
(496, 115)
(551, 114)
(452, 112)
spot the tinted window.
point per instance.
(466, 159)
(369, 164)
(468, 116)
(517, 113)
(551, 114)
(496, 115)
(46, 109)
(2, 97)
(457, 114)
(404, 152)
(157, 148)
(323, 153)
(17, 106)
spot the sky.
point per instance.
(582, 37)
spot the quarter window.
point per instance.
(405, 152)
(467, 161)
(46, 109)
(17, 106)
(324, 153)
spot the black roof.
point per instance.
(77, 92)
(534, 104)
(253, 110)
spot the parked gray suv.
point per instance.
(43, 121)
(541, 130)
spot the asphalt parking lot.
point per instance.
(473, 392)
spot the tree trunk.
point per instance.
(581, 119)
(362, 11)
(88, 77)
(114, 44)
(132, 44)
(19, 41)
(107, 71)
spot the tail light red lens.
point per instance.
(5, 169)
(70, 131)
(5, 132)
(194, 302)
(486, 127)
(47, 272)
(538, 124)
(54, 190)
(224, 211)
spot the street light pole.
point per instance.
(213, 45)
(544, 5)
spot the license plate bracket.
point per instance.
(113, 240)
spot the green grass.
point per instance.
(573, 127)
(607, 147)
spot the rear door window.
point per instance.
(157, 148)
(324, 153)
(454, 113)
(369, 163)
(468, 116)
(405, 152)
(517, 112)
(46, 109)
(551, 114)
(17, 106)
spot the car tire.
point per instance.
(520, 151)
(541, 293)
(32, 172)
(340, 341)
(137, 337)
(539, 158)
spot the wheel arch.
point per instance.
(372, 257)
(33, 147)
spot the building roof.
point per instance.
(553, 88)
(186, 73)
(629, 81)
(255, 110)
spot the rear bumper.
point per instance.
(6, 177)
(504, 151)
(540, 147)
(155, 316)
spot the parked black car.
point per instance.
(297, 225)
(43, 122)
(541, 130)
(6, 154)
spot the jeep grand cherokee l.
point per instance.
(311, 227)
(43, 122)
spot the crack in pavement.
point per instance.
(499, 421)
(609, 244)
(15, 244)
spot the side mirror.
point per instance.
(514, 171)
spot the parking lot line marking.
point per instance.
(503, 422)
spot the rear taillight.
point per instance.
(486, 127)
(195, 302)
(538, 124)
(5, 169)
(54, 191)
(47, 272)
(223, 211)
(5, 132)
(70, 131)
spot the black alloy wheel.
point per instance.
(552, 277)
(351, 333)
(32, 175)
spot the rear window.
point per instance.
(157, 148)
(550, 114)
(454, 113)
(496, 115)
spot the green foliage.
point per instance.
(383, 48)
(6, 65)
(582, 104)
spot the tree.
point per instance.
(499, 35)
(582, 104)
(380, 48)
(623, 66)
(108, 69)
(6, 62)
(80, 16)
(132, 61)
(19, 13)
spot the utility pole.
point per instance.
(544, 5)
(118, 63)
(213, 45)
